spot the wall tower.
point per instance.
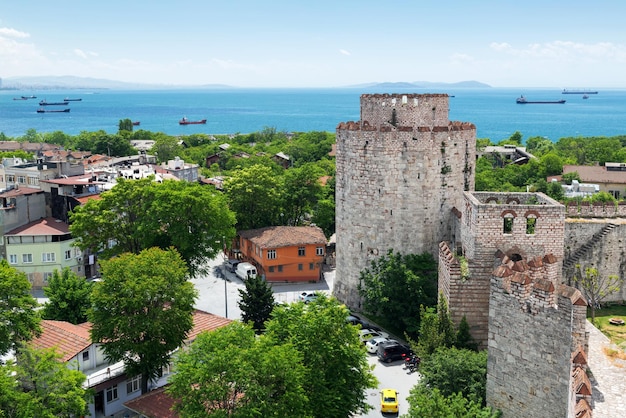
(400, 173)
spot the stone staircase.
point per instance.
(571, 261)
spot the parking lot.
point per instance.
(220, 298)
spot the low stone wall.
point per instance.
(596, 210)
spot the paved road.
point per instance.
(217, 296)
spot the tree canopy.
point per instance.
(39, 384)
(395, 285)
(140, 214)
(142, 310)
(234, 374)
(68, 297)
(19, 318)
(336, 369)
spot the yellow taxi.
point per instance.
(389, 401)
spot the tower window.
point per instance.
(530, 225)
(508, 225)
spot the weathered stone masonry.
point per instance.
(400, 170)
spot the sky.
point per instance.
(321, 43)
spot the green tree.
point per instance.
(463, 337)
(435, 331)
(68, 297)
(166, 147)
(140, 214)
(142, 310)
(395, 285)
(256, 302)
(337, 373)
(551, 164)
(234, 374)
(255, 194)
(46, 387)
(555, 191)
(568, 178)
(324, 216)
(19, 318)
(125, 125)
(301, 191)
(431, 403)
(452, 370)
(596, 288)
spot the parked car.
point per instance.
(307, 297)
(231, 265)
(372, 344)
(367, 334)
(393, 351)
(245, 271)
(389, 401)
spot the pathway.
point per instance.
(609, 377)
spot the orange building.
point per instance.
(285, 253)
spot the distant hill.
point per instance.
(72, 82)
(422, 85)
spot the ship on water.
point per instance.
(523, 100)
(566, 91)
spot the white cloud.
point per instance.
(344, 52)
(564, 50)
(84, 54)
(12, 33)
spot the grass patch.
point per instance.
(616, 333)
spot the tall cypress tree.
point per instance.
(256, 303)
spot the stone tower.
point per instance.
(401, 170)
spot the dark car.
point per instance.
(393, 351)
(231, 265)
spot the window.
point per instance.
(46, 277)
(111, 394)
(530, 225)
(508, 225)
(280, 269)
(68, 254)
(27, 258)
(271, 254)
(13, 259)
(85, 355)
(134, 384)
(33, 181)
(301, 251)
(311, 266)
(48, 257)
(21, 179)
(300, 267)
(271, 269)
(319, 251)
(10, 178)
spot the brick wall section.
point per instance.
(483, 242)
(397, 184)
(598, 210)
(549, 320)
(607, 255)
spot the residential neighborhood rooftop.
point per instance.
(283, 236)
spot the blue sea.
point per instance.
(492, 110)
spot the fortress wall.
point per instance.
(549, 321)
(607, 255)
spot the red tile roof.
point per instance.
(81, 180)
(68, 339)
(284, 236)
(82, 200)
(44, 226)
(155, 404)
(71, 339)
(205, 321)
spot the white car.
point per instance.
(367, 334)
(307, 297)
(372, 344)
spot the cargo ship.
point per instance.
(523, 100)
(42, 110)
(566, 91)
(185, 121)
